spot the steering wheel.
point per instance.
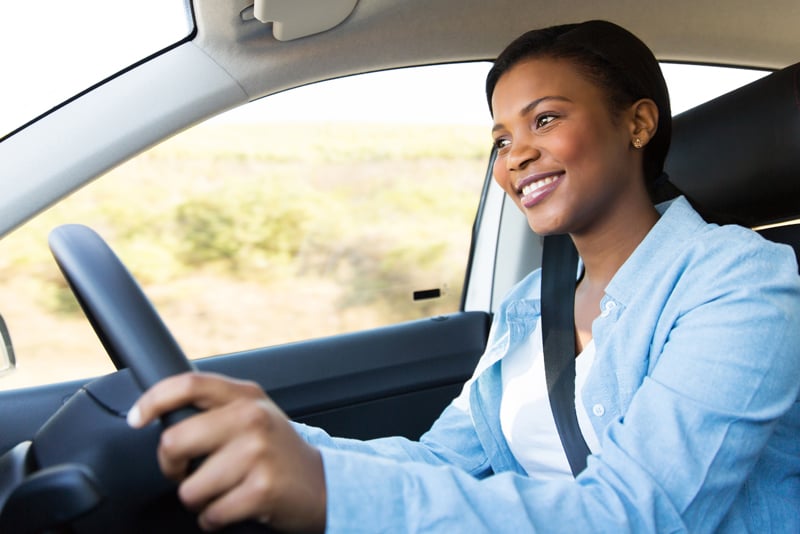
(85, 467)
(124, 319)
(133, 335)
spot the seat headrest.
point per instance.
(739, 154)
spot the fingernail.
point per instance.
(134, 417)
(207, 524)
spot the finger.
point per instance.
(282, 481)
(202, 390)
(283, 496)
(249, 499)
(199, 436)
(208, 432)
(235, 438)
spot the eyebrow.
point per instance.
(531, 106)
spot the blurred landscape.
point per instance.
(246, 236)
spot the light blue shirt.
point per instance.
(693, 395)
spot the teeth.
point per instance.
(530, 188)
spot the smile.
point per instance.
(535, 188)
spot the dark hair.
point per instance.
(610, 56)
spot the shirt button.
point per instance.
(598, 410)
(607, 307)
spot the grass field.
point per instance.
(244, 236)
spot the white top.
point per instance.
(525, 415)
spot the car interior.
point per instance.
(71, 462)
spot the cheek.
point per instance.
(573, 149)
(585, 155)
(500, 174)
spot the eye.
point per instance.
(544, 119)
(501, 142)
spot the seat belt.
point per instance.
(559, 267)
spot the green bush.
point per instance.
(242, 229)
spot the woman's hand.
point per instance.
(256, 465)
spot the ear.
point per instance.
(643, 122)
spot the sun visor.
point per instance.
(292, 19)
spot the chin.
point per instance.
(541, 228)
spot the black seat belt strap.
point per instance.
(559, 268)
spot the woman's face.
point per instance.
(564, 159)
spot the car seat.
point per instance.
(739, 155)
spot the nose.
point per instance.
(520, 154)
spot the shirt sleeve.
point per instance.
(675, 462)
(450, 441)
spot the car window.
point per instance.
(335, 207)
(54, 49)
(330, 208)
(690, 85)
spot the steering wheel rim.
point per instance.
(133, 333)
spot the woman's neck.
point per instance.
(607, 246)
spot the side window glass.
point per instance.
(690, 85)
(331, 208)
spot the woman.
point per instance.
(687, 368)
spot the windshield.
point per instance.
(54, 49)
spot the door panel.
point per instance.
(391, 380)
(394, 379)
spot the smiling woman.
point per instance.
(349, 254)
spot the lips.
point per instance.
(534, 188)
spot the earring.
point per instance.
(637, 143)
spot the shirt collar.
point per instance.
(678, 222)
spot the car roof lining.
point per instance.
(376, 35)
